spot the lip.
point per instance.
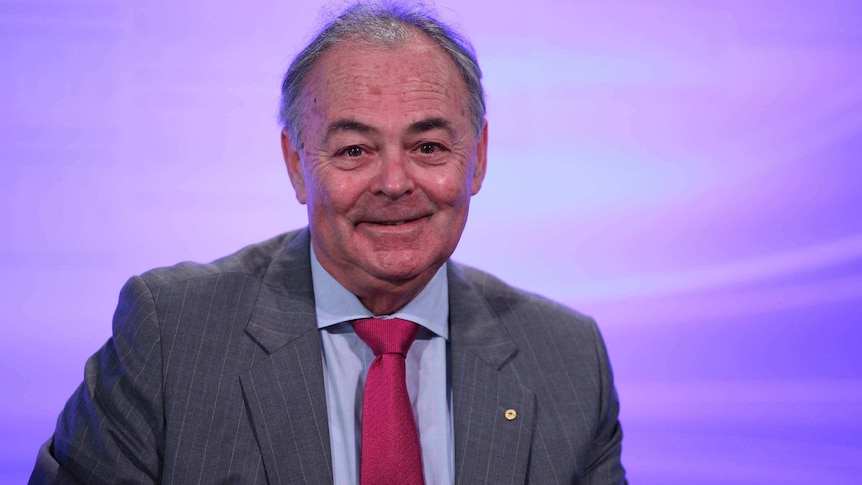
(394, 223)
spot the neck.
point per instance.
(379, 296)
(388, 303)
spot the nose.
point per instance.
(393, 178)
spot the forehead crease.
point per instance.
(424, 85)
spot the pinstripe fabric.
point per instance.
(214, 375)
(513, 350)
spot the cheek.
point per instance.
(452, 187)
(317, 188)
(332, 190)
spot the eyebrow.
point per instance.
(342, 125)
(418, 127)
(429, 124)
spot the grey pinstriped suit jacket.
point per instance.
(214, 375)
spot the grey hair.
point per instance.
(385, 23)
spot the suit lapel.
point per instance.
(492, 444)
(284, 391)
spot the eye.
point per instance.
(428, 148)
(353, 151)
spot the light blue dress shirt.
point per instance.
(346, 359)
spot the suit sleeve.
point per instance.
(112, 428)
(605, 467)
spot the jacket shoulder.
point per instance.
(250, 261)
(503, 298)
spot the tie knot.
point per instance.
(386, 335)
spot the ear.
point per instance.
(481, 160)
(294, 166)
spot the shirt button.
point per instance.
(510, 414)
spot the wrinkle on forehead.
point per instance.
(351, 78)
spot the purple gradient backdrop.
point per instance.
(689, 173)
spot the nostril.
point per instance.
(395, 180)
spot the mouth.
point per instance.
(394, 223)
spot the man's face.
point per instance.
(389, 163)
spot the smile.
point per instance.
(396, 223)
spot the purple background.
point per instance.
(688, 173)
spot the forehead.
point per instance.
(355, 77)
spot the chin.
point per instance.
(401, 266)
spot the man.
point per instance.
(255, 368)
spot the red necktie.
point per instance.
(390, 442)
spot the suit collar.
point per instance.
(473, 324)
(492, 445)
(284, 390)
(285, 306)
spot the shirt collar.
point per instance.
(335, 304)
